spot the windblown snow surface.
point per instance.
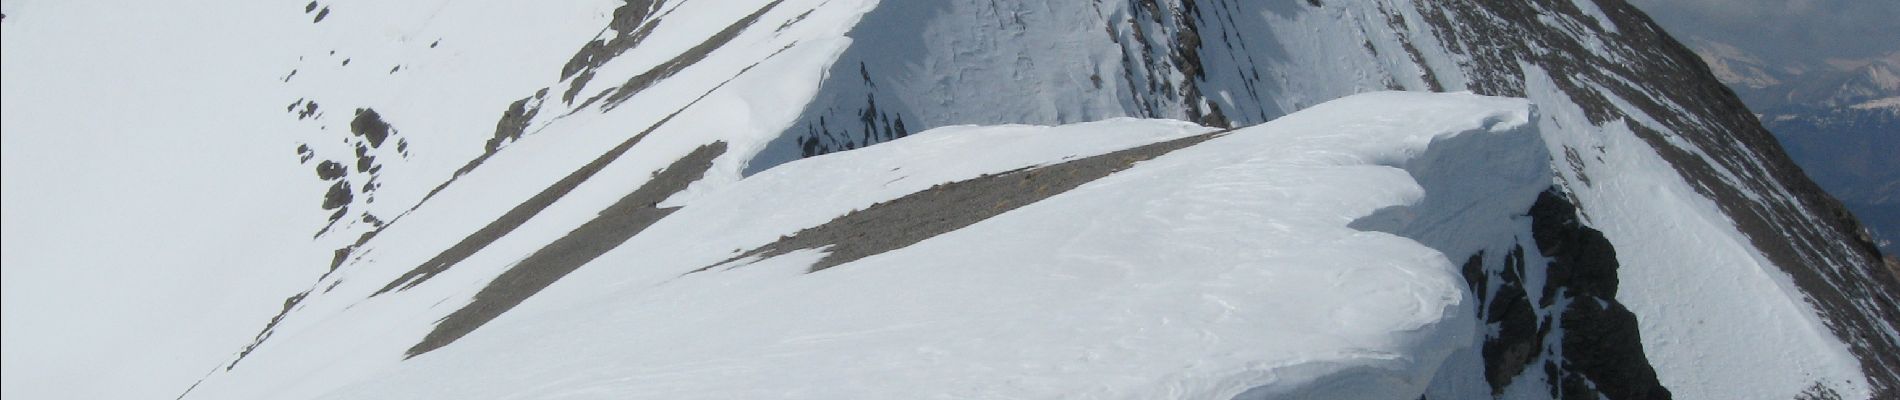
(861, 199)
(1223, 268)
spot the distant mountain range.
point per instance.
(1840, 120)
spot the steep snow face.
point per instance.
(346, 120)
(474, 210)
(663, 59)
(150, 200)
(1690, 313)
(917, 65)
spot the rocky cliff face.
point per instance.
(1677, 250)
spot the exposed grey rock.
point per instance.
(1601, 347)
(902, 222)
(370, 125)
(614, 96)
(617, 223)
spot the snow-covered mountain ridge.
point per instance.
(1123, 300)
(653, 199)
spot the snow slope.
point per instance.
(1693, 170)
(1112, 290)
(456, 162)
(154, 213)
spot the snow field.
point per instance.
(1220, 269)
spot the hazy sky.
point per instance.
(1783, 30)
